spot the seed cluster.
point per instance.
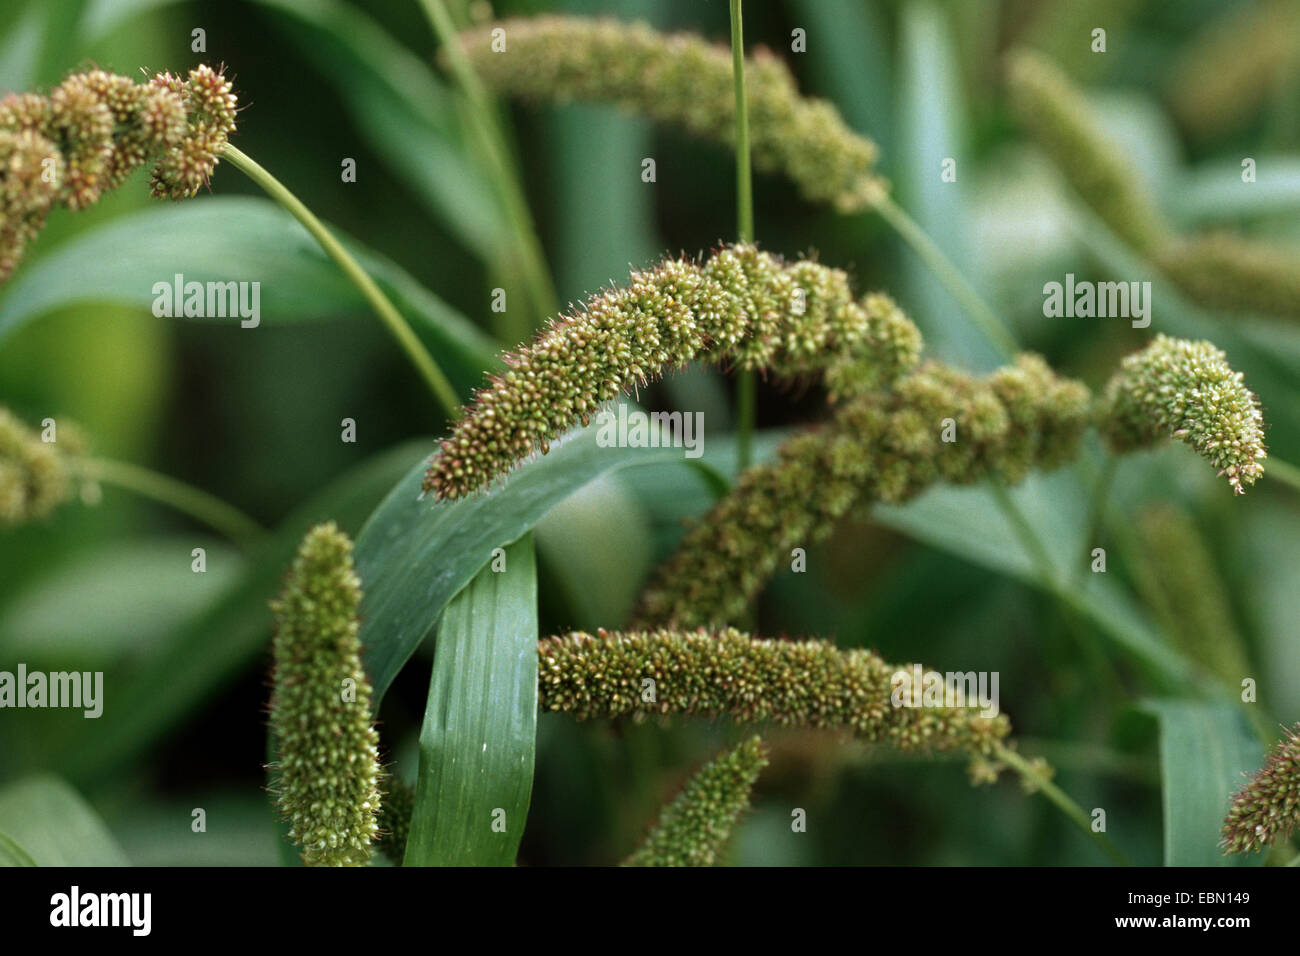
(1221, 270)
(716, 673)
(1267, 810)
(1227, 271)
(92, 131)
(395, 817)
(35, 476)
(1060, 119)
(743, 305)
(693, 830)
(1188, 391)
(683, 80)
(326, 777)
(884, 446)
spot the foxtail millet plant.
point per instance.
(326, 774)
(1221, 270)
(36, 476)
(95, 129)
(683, 80)
(1060, 120)
(694, 829)
(1186, 390)
(742, 306)
(729, 673)
(1266, 811)
(887, 447)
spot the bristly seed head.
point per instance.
(743, 306)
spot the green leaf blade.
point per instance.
(1205, 750)
(478, 737)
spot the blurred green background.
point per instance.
(1187, 89)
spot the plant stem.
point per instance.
(1096, 514)
(925, 247)
(387, 312)
(1063, 802)
(746, 383)
(481, 118)
(198, 504)
(1283, 471)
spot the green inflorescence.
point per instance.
(693, 830)
(886, 446)
(326, 776)
(395, 817)
(92, 131)
(1221, 270)
(715, 673)
(743, 305)
(1266, 810)
(35, 476)
(1227, 271)
(686, 81)
(1061, 121)
(1187, 390)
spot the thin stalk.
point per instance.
(1062, 801)
(1096, 513)
(1283, 471)
(925, 247)
(387, 312)
(481, 118)
(199, 505)
(746, 383)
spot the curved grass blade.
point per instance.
(1206, 748)
(414, 555)
(54, 826)
(235, 239)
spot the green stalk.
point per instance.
(1096, 514)
(930, 253)
(387, 312)
(1062, 801)
(199, 505)
(481, 119)
(746, 383)
(1283, 471)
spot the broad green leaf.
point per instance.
(966, 521)
(480, 723)
(931, 120)
(397, 101)
(234, 239)
(227, 636)
(1206, 749)
(404, 108)
(19, 51)
(117, 599)
(597, 545)
(54, 826)
(414, 555)
(11, 854)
